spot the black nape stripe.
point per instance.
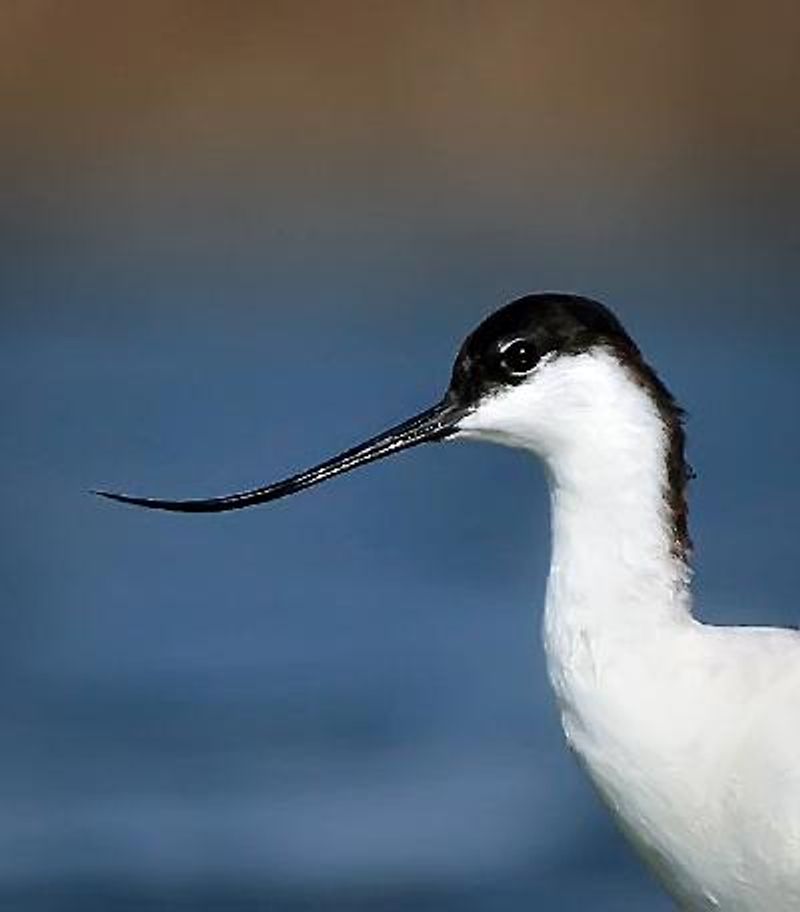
(679, 472)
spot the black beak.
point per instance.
(436, 423)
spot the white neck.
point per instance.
(614, 558)
(605, 445)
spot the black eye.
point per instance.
(519, 358)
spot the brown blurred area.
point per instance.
(459, 89)
(196, 122)
(461, 81)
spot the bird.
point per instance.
(688, 731)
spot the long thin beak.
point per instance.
(436, 423)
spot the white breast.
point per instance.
(690, 743)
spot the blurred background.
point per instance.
(236, 237)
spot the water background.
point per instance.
(235, 244)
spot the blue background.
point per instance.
(240, 237)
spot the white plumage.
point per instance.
(688, 731)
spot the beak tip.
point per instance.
(110, 495)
